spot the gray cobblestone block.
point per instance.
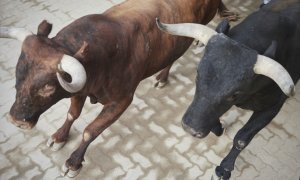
(30, 174)
(184, 145)
(40, 159)
(152, 174)
(194, 172)
(34, 143)
(9, 173)
(14, 141)
(148, 141)
(115, 173)
(24, 162)
(133, 173)
(5, 163)
(125, 162)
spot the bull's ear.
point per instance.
(223, 27)
(44, 28)
(271, 50)
(82, 52)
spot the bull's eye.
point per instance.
(46, 91)
(234, 96)
(24, 102)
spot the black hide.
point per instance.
(225, 74)
(221, 74)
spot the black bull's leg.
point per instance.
(257, 122)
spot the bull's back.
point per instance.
(275, 20)
(156, 49)
(278, 22)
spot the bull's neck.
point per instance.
(107, 52)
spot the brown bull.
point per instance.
(101, 56)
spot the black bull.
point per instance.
(226, 75)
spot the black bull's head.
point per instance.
(226, 69)
(218, 82)
(41, 71)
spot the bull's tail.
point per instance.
(225, 13)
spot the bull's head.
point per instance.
(44, 74)
(225, 73)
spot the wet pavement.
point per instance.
(147, 142)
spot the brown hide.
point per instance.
(125, 44)
(118, 49)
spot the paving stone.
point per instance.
(39, 158)
(4, 162)
(148, 141)
(184, 145)
(213, 157)
(194, 172)
(133, 173)
(116, 173)
(9, 173)
(13, 143)
(24, 162)
(3, 137)
(124, 161)
(51, 173)
(248, 173)
(33, 144)
(152, 174)
(157, 129)
(140, 159)
(30, 174)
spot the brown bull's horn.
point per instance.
(196, 31)
(77, 72)
(15, 33)
(272, 69)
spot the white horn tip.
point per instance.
(160, 25)
(272, 69)
(292, 91)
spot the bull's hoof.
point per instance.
(65, 171)
(231, 16)
(222, 173)
(53, 145)
(160, 84)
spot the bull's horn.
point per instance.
(15, 33)
(196, 31)
(77, 72)
(272, 69)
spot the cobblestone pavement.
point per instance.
(147, 142)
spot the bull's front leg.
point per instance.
(257, 121)
(109, 114)
(60, 137)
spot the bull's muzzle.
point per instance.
(193, 132)
(23, 124)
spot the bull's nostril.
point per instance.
(193, 132)
(23, 124)
(199, 135)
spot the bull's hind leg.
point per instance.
(109, 114)
(59, 138)
(225, 13)
(257, 122)
(162, 77)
